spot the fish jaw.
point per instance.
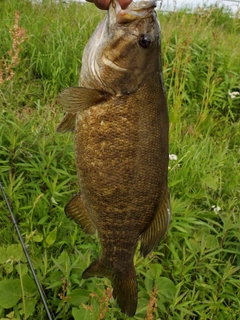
(113, 59)
(136, 10)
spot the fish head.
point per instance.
(123, 50)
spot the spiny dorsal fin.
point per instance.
(67, 124)
(76, 99)
(76, 210)
(158, 226)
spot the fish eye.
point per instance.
(144, 41)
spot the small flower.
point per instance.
(172, 157)
(216, 209)
(233, 94)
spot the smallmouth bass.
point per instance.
(119, 117)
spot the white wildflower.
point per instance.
(216, 209)
(233, 94)
(172, 157)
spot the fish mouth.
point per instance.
(135, 11)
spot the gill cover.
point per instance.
(123, 50)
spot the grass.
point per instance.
(195, 273)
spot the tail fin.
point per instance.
(124, 285)
(125, 292)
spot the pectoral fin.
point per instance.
(76, 99)
(158, 227)
(76, 210)
(67, 124)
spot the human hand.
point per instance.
(103, 4)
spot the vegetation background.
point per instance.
(195, 272)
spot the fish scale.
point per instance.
(120, 121)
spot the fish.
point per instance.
(119, 117)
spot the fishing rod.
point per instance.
(40, 290)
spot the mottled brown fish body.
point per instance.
(121, 157)
(121, 149)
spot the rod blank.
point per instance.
(41, 292)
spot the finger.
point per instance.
(103, 4)
(124, 3)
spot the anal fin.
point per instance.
(151, 237)
(77, 210)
